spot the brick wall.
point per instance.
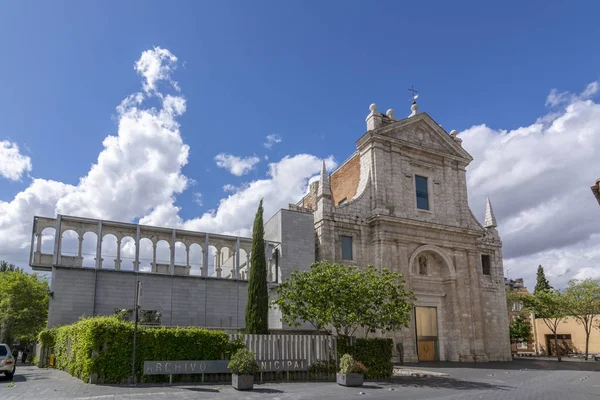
(344, 181)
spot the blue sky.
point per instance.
(306, 71)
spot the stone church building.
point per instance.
(400, 201)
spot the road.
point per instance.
(522, 379)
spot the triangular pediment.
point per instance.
(423, 132)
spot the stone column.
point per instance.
(80, 246)
(409, 339)
(244, 276)
(187, 256)
(136, 261)
(464, 302)
(38, 246)
(218, 268)
(37, 257)
(118, 259)
(99, 246)
(477, 311)
(154, 267)
(235, 263)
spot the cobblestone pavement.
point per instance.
(516, 380)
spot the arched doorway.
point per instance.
(431, 270)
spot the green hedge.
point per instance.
(104, 345)
(375, 354)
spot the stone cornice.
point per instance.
(422, 224)
(379, 136)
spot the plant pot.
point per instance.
(242, 382)
(350, 379)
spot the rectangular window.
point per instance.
(486, 266)
(422, 194)
(347, 247)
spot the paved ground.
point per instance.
(521, 379)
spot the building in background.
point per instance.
(515, 308)
(571, 338)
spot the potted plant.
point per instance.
(351, 371)
(243, 366)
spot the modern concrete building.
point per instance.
(198, 279)
(400, 201)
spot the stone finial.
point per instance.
(324, 188)
(454, 134)
(414, 108)
(390, 113)
(490, 218)
(374, 119)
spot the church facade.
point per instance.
(400, 201)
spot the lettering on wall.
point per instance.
(217, 366)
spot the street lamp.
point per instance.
(138, 295)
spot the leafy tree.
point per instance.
(257, 308)
(345, 298)
(551, 306)
(583, 303)
(23, 305)
(520, 330)
(5, 266)
(541, 283)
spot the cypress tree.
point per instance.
(542, 283)
(257, 308)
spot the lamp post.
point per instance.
(138, 294)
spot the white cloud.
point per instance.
(12, 163)
(236, 165)
(272, 140)
(285, 183)
(538, 178)
(555, 98)
(198, 199)
(16, 217)
(138, 171)
(229, 188)
(156, 65)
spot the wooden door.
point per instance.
(426, 350)
(427, 333)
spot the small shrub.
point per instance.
(243, 362)
(349, 365)
(374, 353)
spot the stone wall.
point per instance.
(184, 301)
